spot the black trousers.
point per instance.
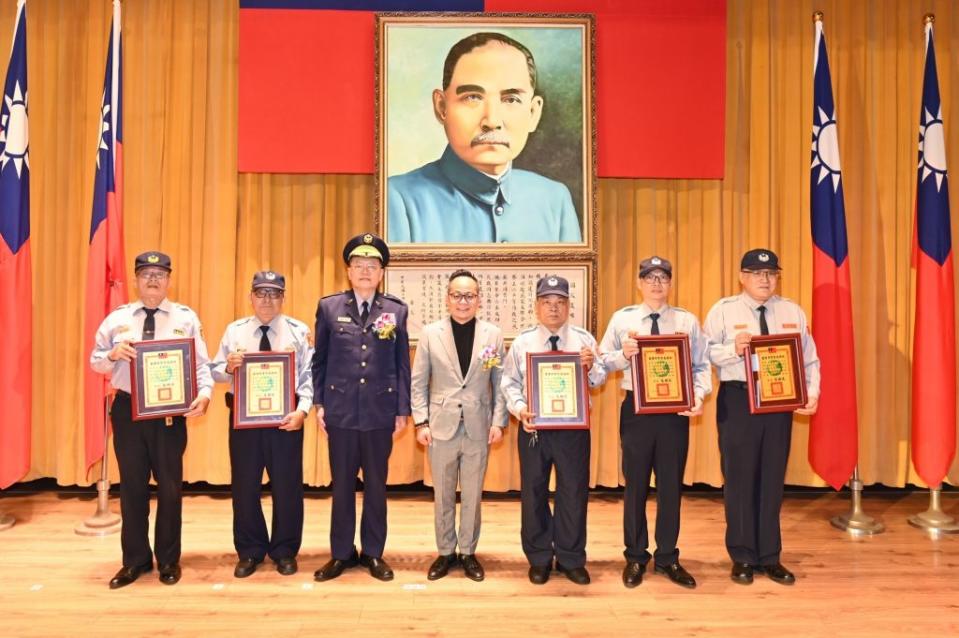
(142, 448)
(281, 454)
(754, 450)
(561, 532)
(652, 442)
(351, 450)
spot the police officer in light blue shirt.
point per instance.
(488, 107)
(654, 442)
(149, 446)
(279, 450)
(755, 447)
(562, 532)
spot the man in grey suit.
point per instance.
(459, 412)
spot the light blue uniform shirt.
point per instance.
(732, 315)
(125, 323)
(285, 334)
(671, 321)
(449, 201)
(536, 339)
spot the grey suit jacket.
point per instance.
(440, 393)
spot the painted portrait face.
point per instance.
(488, 110)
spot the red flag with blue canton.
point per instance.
(934, 338)
(16, 300)
(833, 433)
(106, 265)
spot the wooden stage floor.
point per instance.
(902, 582)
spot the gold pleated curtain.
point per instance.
(184, 196)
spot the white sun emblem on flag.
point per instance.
(14, 135)
(932, 148)
(104, 129)
(825, 148)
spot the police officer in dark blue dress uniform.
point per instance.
(361, 387)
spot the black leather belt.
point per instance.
(734, 384)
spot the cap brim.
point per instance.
(546, 293)
(269, 285)
(644, 272)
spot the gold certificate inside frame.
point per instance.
(264, 389)
(661, 367)
(163, 378)
(557, 390)
(776, 380)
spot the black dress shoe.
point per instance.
(378, 567)
(127, 575)
(742, 573)
(334, 567)
(539, 574)
(441, 566)
(578, 575)
(286, 566)
(779, 574)
(677, 574)
(245, 567)
(472, 567)
(170, 574)
(633, 574)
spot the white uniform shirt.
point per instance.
(536, 339)
(125, 323)
(285, 334)
(732, 315)
(671, 321)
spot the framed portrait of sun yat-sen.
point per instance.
(485, 136)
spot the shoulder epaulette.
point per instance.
(629, 308)
(295, 323)
(533, 329)
(581, 330)
(387, 295)
(180, 306)
(729, 299)
(335, 294)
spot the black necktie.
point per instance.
(264, 340)
(763, 326)
(366, 312)
(554, 343)
(655, 317)
(149, 324)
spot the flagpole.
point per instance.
(856, 521)
(103, 522)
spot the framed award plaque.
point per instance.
(662, 374)
(163, 378)
(264, 389)
(558, 390)
(775, 373)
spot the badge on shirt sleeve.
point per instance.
(309, 339)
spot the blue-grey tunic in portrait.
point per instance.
(449, 201)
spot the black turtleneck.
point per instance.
(463, 334)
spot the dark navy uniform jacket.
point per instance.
(361, 373)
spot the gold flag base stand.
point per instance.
(856, 521)
(103, 522)
(6, 521)
(934, 519)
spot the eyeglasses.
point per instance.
(657, 279)
(763, 274)
(152, 275)
(268, 293)
(561, 303)
(365, 267)
(468, 297)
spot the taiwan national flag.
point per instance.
(106, 271)
(833, 434)
(934, 339)
(16, 303)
